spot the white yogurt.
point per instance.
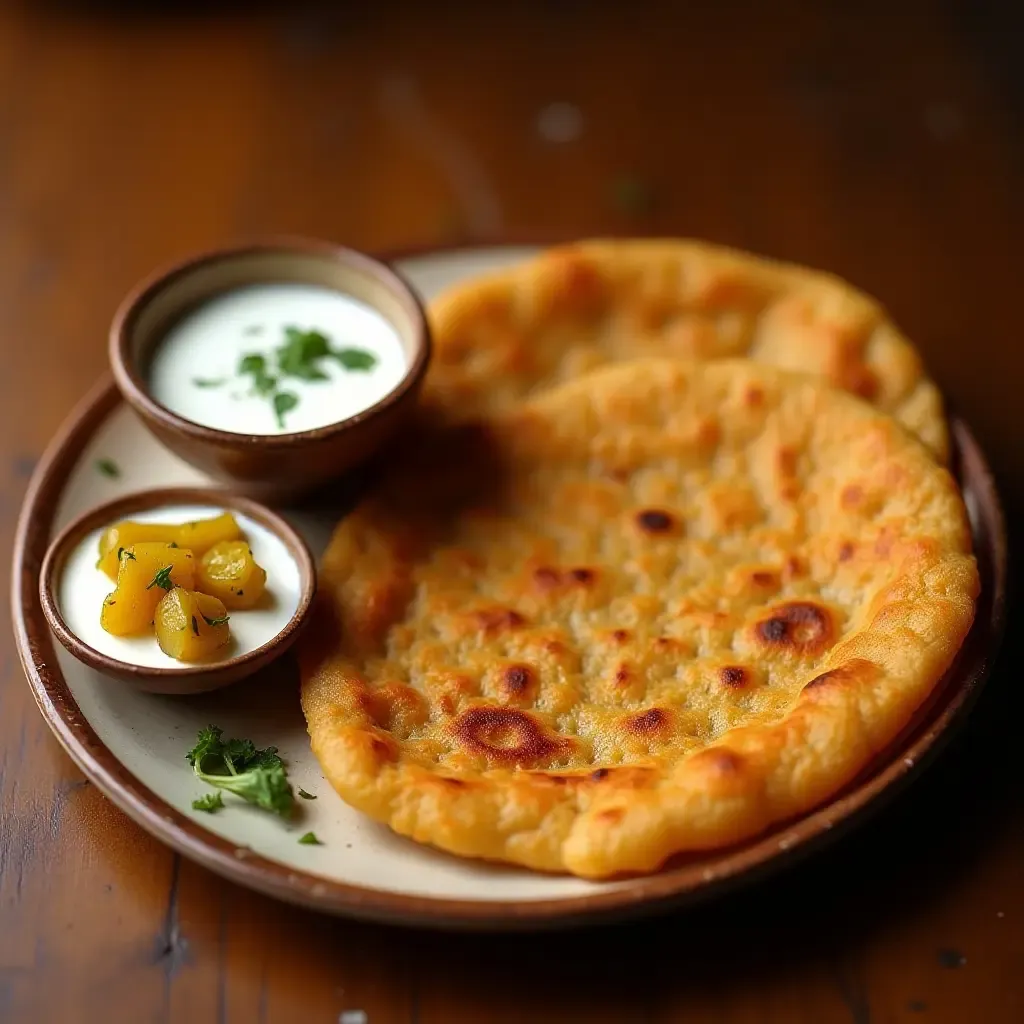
(83, 587)
(208, 344)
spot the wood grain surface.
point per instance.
(881, 141)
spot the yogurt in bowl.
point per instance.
(275, 367)
(227, 363)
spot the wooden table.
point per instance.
(882, 141)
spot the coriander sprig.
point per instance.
(257, 776)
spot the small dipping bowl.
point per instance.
(270, 466)
(72, 589)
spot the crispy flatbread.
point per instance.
(504, 335)
(654, 610)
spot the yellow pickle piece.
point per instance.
(198, 536)
(146, 572)
(229, 571)
(191, 626)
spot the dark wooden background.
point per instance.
(882, 141)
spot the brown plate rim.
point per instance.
(670, 887)
(228, 669)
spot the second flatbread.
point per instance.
(505, 335)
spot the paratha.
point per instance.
(502, 336)
(653, 610)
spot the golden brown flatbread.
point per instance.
(654, 610)
(508, 334)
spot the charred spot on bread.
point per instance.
(734, 676)
(655, 521)
(803, 627)
(505, 734)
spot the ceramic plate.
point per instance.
(132, 745)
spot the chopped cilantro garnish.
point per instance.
(299, 355)
(284, 401)
(209, 382)
(305, 795)
(162, 579)
(210, 802)
(195, 625)
(108, 467)
(355, 358)
(264, 384)
(310, 839)
(299, 358)
(125, 553)
(253, 363)
(257, 776)
(216, 622)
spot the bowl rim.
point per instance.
(72, 535)
(132, 384)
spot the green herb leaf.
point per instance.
(210, 802)
(162, 579)
(284, 402)
(267, 758)
(237, 766)
(304, 371)
(216, 622)
(208, 382)
(252, 362)
(305, 795)
(255, 365)
(195, 626)
(307, 345)
(299, 355)
(310, 839)
(238, 754)
(263, 384)
(108, 467)
(209, 741)
(267, 788)
(172, 545)
(355, 358)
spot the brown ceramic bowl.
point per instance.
(269, 466)
(188, 678)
